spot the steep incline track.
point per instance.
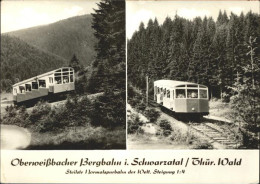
(214, 133)
(207, 128)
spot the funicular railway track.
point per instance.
(214, 132)
(207, 127)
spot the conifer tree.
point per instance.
(75, 64)
(109, 25)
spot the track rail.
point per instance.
(209, 128)
(215, 133)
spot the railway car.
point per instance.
(182, 97)
(45, 86)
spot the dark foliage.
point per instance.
(152, 114)
(108, 69)
(166, 127)
(16, 116)
(109, 66)
(108, 110)
(20, 61)
(224, 55)
(201, 50)
(75, 64)
(134, 125)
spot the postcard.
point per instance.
(114, 91)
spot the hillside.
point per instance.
(20, 60)
(64, 38)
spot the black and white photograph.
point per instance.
(63, 76)
(193, 74)
(136, 91)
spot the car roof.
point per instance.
(171, 83)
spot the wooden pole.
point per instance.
(147, 89)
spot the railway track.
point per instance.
(208, 128)
(214, 133)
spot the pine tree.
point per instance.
(219, 57)
(109, 25)
(245, 100)
(75, 64)
(109, 74)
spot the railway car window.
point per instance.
(164, 92)
(34, 85)
(201, 86)
(71, 78)
(168, 93)
(192, 93)
(42, 84)
(65, 79)
(65, 69)
(203, 93)
(180, 93)
(58, 71)
(158, 90)
(50, 80)
(57, 79)
(22, 89)
(181, 86)
(28, 87)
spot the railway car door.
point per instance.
(172, 98)
(160, 95)
(167, 98)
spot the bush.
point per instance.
(87, 138)
(203, 145)
(167, 132)
(134, 124)
(166, 127)
(178, 136)
(250, 140)
(152, 114)
(16, 116)
(140, 106)
(75, 112)
(108, 110)
(39, 112)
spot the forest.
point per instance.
(223, 55)
(214, 53)
(63, 38)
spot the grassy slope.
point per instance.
(85, 137)
(219, 109)
(152, 137)
(64, 38)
